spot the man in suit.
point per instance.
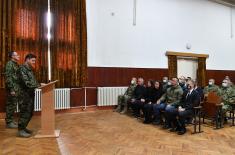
(178, 116)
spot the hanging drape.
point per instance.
(201, 71)
(69, 42)
(23, 29)
(172, 66)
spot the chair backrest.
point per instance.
(209, 106)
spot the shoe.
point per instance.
(23, 134)
(166, 127)
(174, 129)
(156, 122)
(124, 110)
(181, 131)
(12, 125)
(147, 122)
(28, 131)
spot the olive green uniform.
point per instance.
(12, 85)
(28, 83)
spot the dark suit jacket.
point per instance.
(190, 100)
(139, 92)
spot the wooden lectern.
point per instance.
(47, 112)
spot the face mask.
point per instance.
(224, 84)
(132, 82)
(169, 83)
(164, 81)
(210, 83)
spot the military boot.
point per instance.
(23, 133)
(11, 125)
(118, 109)
(124, 110)
(28, 131)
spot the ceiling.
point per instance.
(225, 2)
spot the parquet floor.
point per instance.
(106, 132)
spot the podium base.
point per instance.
(41, 135)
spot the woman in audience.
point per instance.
(151, 99)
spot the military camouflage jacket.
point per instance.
(27, 78)
(11, 74)
(227, 95)
(172, 96)
(212, 88)
(130, 90)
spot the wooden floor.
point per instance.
(106, 132)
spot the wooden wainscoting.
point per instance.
(114, 76)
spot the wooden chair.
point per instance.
(212, 109)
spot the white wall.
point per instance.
(161, 25)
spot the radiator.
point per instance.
(61, 96)
(108, 96)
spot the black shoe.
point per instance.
(166, 127)
(156, 122)
(174, 129)
(181, 131)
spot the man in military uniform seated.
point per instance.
(212, 87)
(125, 98)
(190, 99)
(227, 93)
(169, 101)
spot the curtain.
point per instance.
(23, 29)
(172, 66)
(201, 72)
(69, 43)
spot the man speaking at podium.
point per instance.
(28, 83)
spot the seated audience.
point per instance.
(138, 97)
(227, 93)
(210, 88)
(182, 83)
(125, 98)
(189, 100)
(199, 90)
(148, 107)
(169, 100)
(165, 83)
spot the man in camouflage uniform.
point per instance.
(210, 88)
(12, 88)
(123, 99)
(227, 93)
(168, 101)
(28, 83)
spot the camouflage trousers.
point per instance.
(226, 107)
(11, 105)
(123, 99)
(26, 110)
